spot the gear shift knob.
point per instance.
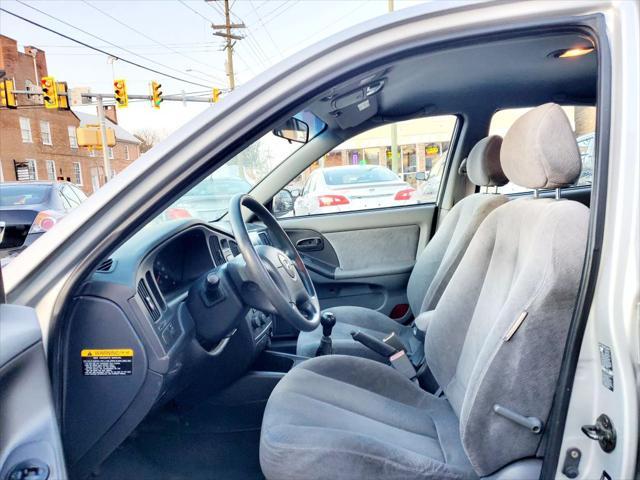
(327, 320)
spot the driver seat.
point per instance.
(433, 269)
(496, 339)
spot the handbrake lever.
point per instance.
(374, 344)
(396, 357)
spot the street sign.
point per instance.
(75, 96)
(89, 136)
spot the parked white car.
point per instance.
(352, 187)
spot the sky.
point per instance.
(175, 37)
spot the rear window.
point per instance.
(583, 123)
(355, 175)
(15, 195)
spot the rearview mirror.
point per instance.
(294, 130)
(421, 176)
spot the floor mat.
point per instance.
(211, 442)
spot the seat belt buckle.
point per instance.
(393, 340)
(402, 364)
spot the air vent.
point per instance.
(143, 291)
(234, 248)
(105, 266)
(218, 258)
(264, 238)
(154, 290)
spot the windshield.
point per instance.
(13, 195)
(209, 200)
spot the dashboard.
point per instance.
(136, 302)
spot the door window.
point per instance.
(583, 123)
(365, 173)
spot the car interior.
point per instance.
(412, 341)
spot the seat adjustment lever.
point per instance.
(533, 424)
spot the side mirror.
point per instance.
(421, 176)
(294, 130)
(282, 203)
(295, 192)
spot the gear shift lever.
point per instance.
(327, 320)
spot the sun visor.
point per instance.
(356, 106)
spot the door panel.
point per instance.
(30, 438)
(361, 258)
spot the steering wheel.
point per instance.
(272, 278)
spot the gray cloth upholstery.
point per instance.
(496, 337)
(348, 319)
(347, 245)
(540, 151)
(353, 418)
(433, 268)
(526, 257)
(483, 163)
(441, 256)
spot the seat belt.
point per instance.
(397, 357)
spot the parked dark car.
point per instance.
(209, 199)
(28, 209)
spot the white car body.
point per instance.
(345, 188)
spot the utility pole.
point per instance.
(229, 37)
(395, 160)
(103, 136)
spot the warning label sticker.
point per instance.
(109, 362)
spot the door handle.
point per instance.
(312, 244)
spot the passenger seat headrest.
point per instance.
(540, 149)
(483, 163)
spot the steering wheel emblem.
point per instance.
(288, 266)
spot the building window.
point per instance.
(126, 152)
(25, 130)
(110, 151)
(45, 133)
(77, 173)
(51, 169)
(73, 139)
(33, 169)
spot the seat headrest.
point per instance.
(540, 150)
(483, 163)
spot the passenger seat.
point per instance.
(434, 266)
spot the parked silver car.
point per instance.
(352, 187)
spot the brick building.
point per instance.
(40, 144)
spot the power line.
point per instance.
(266, 30)
(146, 36)
(194, 10)
(135, 64)
(104, 40)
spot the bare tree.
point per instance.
(149, 137)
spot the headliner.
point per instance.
(515, 72)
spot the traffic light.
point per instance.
(3, 94)
(215, 95)
(120, 93)
(49, 92)
(156, 94)
(10, 96)
(63, 99)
